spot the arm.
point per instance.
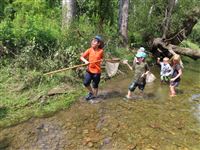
(178, 75)
(83, 56)
(129, 66)
(135, 61)
(158, 60)
(84, 60)
(147, 70)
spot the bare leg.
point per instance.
(95, 91)
(172, 90)
(129, 94)
(90, 89)
(141, 93)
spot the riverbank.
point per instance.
(27, 94)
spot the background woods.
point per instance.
(46, 34)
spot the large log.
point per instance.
(195, 54)
(162, 49)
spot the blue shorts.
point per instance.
(94, 77)
(134, 84)
(174, 83)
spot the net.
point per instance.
(111, 68)
(150, 77)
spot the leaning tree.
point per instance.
(167, 45)
(164, 25)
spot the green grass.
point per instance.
(190, 44)
(18, 92)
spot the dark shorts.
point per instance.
(134, 84)
(174, 83)
(94, 77)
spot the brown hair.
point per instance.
(101, 44)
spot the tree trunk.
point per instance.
(195, 54)
(123, 21)
(68, 12)
(168, 14)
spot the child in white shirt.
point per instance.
(166, 69)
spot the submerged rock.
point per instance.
(196, 97)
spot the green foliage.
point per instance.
(31, 30)
(143, 24)
(189, 44)
(195, 35)
(21, 93)
(2, 5)
(32, 34)
(183, 10)
(103, 10)
(146, 18)
(136, 39)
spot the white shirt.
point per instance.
(166, 69)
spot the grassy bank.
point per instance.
(26, 94)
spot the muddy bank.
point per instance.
(154, 121)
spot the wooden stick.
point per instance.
(73, 67)
(81, 65)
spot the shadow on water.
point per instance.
(117, 94)
(109, 95)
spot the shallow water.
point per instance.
(154, 121)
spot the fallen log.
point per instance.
(160, 48)
(195, 54)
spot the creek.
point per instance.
(154, 121)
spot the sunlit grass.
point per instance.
(189, 44)
(18, 96)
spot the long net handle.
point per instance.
(73, 67)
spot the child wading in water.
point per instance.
(177, 72)
(93, 72)
(166, 69)
(141, 70)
